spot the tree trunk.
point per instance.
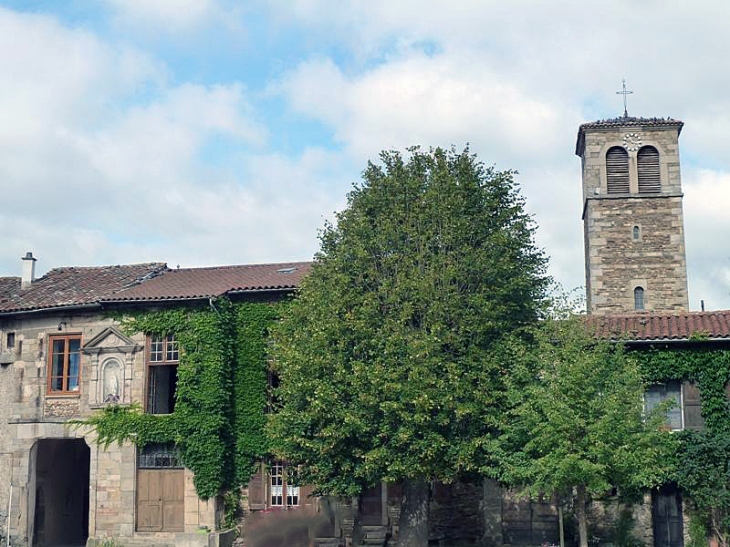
(580, 503)
(413, 522)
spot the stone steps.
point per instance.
(373, 535)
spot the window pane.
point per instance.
(57, 363)
(657, 394)
(156, 345)
(638, 298)
(292, 495)
(172, 350)
(73, 370)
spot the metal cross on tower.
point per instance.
(624, 93)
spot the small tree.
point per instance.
(388, 360)
(579, 427)
(703, 474)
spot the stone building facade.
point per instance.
(632, 216)
(62, 357)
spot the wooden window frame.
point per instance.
(169, 357)
(65, 376)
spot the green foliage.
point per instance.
(253, 321)
(710, 368)
(697, 531)
(578, 423)
(579, 418)
(623, 536)
(388, 359)
(221, 392)
(702, 457)
(703, 472)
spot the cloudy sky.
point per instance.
(207, 132)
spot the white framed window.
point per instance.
(281, 494)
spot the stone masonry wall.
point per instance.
(28, 414)
(617, 262)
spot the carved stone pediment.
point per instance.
(111, 366)
(110, 340)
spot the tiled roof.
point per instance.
(63, 287)
(630, 121)
(623, 122)
(194, 283)
(714, 325)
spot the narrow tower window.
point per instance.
(617, 170)
(639, 298)
(636, 233)
(647, 164)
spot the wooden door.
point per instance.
(160, 495)
(666, 512)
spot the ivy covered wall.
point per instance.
(702, 459)
(221, 395)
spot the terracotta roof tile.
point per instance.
(193, 283)
(667, 327)
(63, 287)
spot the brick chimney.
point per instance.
(28, 270)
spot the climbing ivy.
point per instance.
(703, 457)
(709, 368)
(221, 394)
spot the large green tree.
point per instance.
(578, 421)
(388, 359)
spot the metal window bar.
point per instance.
(158, 456)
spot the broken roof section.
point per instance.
(92, 287)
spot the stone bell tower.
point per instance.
(632, 216)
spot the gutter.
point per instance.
(53, 309)
(672, 341)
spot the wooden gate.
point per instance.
(160, 500)
(666, 512)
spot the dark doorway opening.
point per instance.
(666, 513)
(61, 506)
(371, 506)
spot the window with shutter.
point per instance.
(647, 164)
(617, 170)
(657, 394)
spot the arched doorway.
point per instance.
(60, 474)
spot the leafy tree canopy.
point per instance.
(578, 420)
(390, 360)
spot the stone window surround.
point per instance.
(633, 285)
(68, 337)
(633, 171)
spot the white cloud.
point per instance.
(167, 15)
(707, 196)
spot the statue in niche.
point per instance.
(111, 384)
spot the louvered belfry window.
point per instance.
(647, 163)
(617, 170)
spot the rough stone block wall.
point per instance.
(617, 262)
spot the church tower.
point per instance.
(632, 216)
